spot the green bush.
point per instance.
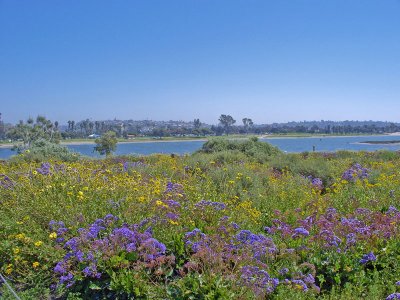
(42, 150)
(252, 148)
(316, 167)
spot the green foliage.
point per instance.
(305, 165)
(227, 122)
(31, 131)
(107, 143)
(201, 287)
(255, 193)
(43, 150)
(253, 148)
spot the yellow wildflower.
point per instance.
(16, 250)
(38, 243)
(35, 264)
(34, 172)
(53, 235)
(20, 236)
(9, 269)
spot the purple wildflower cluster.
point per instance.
(99, 242)
(203, 204)
(127, 165)
(254, 252)
(174, 188)
(44, 169)
(6, 182)
(170, 208)
(258, 245)
(316, 182)
(367, 258)
(332, 230)
(60, 228)
(355, 172)
(258, 280)
(393, 296)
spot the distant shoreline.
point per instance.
(205, 139)
(380, 143)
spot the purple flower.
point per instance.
(355, 172)
(215, 205)
(300, 231)
(350, 239)
(60, 268)
(172, 216)
(283, 271)
(259, 280)
(235, 225)
(44, 169)
(309, 279)
(301, 284)
(193, 233)
(393, 296)
(172, 203)
(66, 278)
(367, 258)
(72, 244)
(317, 183)
(6, 182)
(392, 210)
(131, 247)
(79, 255)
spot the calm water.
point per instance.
(285, 144)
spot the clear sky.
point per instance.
(272, 61)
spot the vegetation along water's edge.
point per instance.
(238, 219)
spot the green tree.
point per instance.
(196, 123)
(247, 123)
(226, 121)
(106, 144)
(32, 131)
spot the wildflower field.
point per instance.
(219, 225)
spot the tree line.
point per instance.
(26, 131)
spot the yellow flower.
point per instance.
(34, 172)
(173, 222)
(16, 250)
(20, 236)
(9, 269)
(35, 264)
(38, 243)
(53, 235)
(159, 203)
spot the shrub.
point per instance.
(252, 147)
(42, 150)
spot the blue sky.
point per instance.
(272, 61)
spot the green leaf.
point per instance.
(94, 286)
